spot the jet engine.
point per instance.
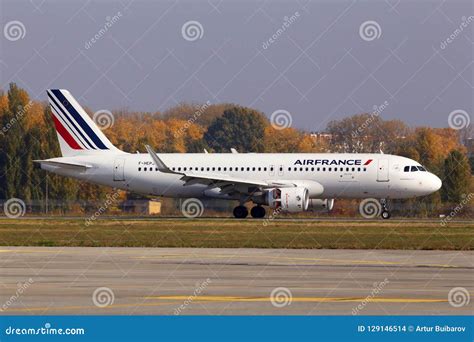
(291, 200)
(320, 205)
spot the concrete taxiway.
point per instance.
(55, 281)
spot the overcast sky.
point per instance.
(313, 59)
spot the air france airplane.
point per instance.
(289, 182)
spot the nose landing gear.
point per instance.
(385, 213)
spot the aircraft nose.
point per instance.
(435, 183)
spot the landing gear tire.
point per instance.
(257, 212)
(240, 212)
(385, 214)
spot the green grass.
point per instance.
(233, 233)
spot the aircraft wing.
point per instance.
(226, 183)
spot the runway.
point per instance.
(172, 281)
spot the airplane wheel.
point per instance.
(257, 212)
(385, 214)
(240, 212)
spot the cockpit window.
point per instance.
(406, 169)
(421, 168)
(413, 169)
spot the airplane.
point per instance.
(287, 182)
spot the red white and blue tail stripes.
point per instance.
(73, 124)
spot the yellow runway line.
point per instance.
(301, 299)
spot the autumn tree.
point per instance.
(239, 127)
(457, 175)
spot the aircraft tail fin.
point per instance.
(77, 132)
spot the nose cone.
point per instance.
(435, 183)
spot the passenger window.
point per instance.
(318, 169)
(144, 169)
(295, 169)
(242, 169)
(358, 169)
(271, 169)
(301, 169)
(139, 169)
(248, 168)
(312, 169)
(230, 168)
(365, 169)
(281, 168)
(156, 169)
(413, 169)
(264, 169)
(259, 169)
(307, 169)
(353, 169)
(184, 169)
(213, 169)
(347, 169)
(253, 169)
(329, 169)
(324, 169)
(289, 169)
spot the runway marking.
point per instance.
(343, 261)
(301, 299)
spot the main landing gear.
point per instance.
(257, 212)
(241, 212)
(385, 213)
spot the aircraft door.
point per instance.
(119, 172)
(382, 170)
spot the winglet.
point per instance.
(158, 162)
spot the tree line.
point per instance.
(27, 133)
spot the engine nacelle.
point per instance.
(316, 204)
(291, 200)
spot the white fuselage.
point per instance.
(340, 175)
